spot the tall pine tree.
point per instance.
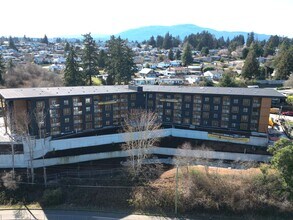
(187, 55)
(2, 69)
(251, 65)
(284, 61)
(120, 65)
(90, 58)
(72, 75)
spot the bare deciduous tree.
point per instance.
(141, 127)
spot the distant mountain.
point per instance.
(144, 33)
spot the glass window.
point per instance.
(215, 123)
(66, 111)
(168, 104)
(88, 117)
(206, 99)
(187, 105)
(66, 120)
(234, 117)
(216, 107)
(243, 126)
(205, 115)
(187, 98)
(235, 101)
(133, 97)
(244, 118)
(88, 100)
(215, 115)
(186, 120)
(245, 110)
(206, 107)
(168, 112)
(66, 102)
(108, 107)
(246, 102)
(88, 109)
(235, 109)
(216, 100)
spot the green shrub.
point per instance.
(52, 197)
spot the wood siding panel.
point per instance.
(264, 115)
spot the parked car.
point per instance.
(288, 113)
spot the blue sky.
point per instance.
(34, 18)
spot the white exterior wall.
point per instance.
(36, 149)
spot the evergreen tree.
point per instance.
(120, 65)
(11, 44)
(152, 41)
(178, 55)
(284, 61)
(67, 47)
(2, 69)
(45, 40)
(187, 55)
(89, 58)
(102, 59)
(227, 81)
(204, 51)
(167, 43)
(251, 65)
(245, 51)
(159, 41)
(271, 45)
(250, 39)
(171, 55)
(72, 75)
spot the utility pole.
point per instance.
(176, 191)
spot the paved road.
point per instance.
(69, 215)
(84, 215)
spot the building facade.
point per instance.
(68, 110)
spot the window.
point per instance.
(108, 107)
(225, 117)
(186, 113)
(150, 103)
(224, 124)
(168, 104)
(150, 96)
(88, 126)
(187, 98)
(88, 109)
(87, 100)
(234, 117)
(206, 99)
(168, 119)
(107, 115)
(40, 104)
(187, 105)
(88, 117)
(216, 100)
(215, 123)
(66, 120)
(235, 101)
(233, 125)
(205, 122)
(107, 122)
(197, 99)
(66, 102)
(243, 126)
(244, 118)
(132, 104)
(245, 110)
(226, 100)
(67, 129)
(216, 107)
(168, 112)
(206, 107)
(215, 115)
(205, 115)
(186, 120)
(133, 97)
(226, 109)
(235, 109)
(246, 102)
(66, 111)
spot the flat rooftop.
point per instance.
(23, 93)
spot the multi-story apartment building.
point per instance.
(67, 118)
(66, 110)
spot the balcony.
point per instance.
(77, 113)
(55, 124)
(77, 104)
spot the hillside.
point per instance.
(144, 33)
